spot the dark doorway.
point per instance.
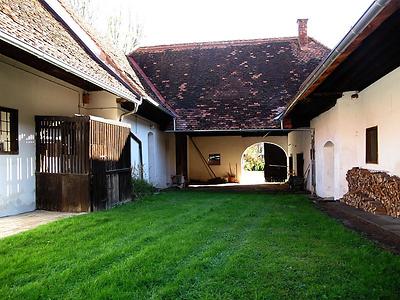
(181, 155)
(275, 163)
(300, 164)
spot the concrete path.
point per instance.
(380, 228)
(384, 222)
(14, 224)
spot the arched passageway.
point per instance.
(264, 162)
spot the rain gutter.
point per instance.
(375, 8)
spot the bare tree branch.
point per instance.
(122, 29)
(85, 8)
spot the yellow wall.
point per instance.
(231, 149)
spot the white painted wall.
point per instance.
(35, 93)
(162, 148)
(231, 149)
(344, 125)
(32, 93)
(300, 142)
(102, 104)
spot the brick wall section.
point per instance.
(303, 35)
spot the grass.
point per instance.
(198, 245)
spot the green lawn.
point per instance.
(198, 245)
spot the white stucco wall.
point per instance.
(35, 93)
(300, 142)
(231, 149)
(102, 104)
(32, 93)
(162, 149)
(344, 125)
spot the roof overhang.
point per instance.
(22, 52)
(238, 132)
(367, 53)
(151, 112)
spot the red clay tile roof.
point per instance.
(31, 23)
(150, 89)
(229, 85)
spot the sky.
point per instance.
(179, 21)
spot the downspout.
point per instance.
(134, 137)
(134, 111)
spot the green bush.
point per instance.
(141, 188)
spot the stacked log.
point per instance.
(373, 191)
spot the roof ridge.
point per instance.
(179, 46)
(320, 43)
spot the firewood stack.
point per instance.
(373, 191)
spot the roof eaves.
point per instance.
(320, 73)
(96, 52)
(58, 63)
(123, 75)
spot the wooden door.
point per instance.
(275, 163)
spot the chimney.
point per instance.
(303, 36)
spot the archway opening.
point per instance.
(253, 164)
(329, 170)
(264, 162)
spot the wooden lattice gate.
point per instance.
(82, 163)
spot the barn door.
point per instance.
(275, 169)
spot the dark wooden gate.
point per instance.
(110, 158)
(82, 163)
(275, 169)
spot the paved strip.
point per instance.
(15, 224)
(383, 229)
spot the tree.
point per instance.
(254, 158)
(85, 8)
(123, 30)
(121, 26)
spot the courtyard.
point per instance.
(198, 244)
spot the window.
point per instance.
(372, 145)
(214, 159)
(8, 131)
